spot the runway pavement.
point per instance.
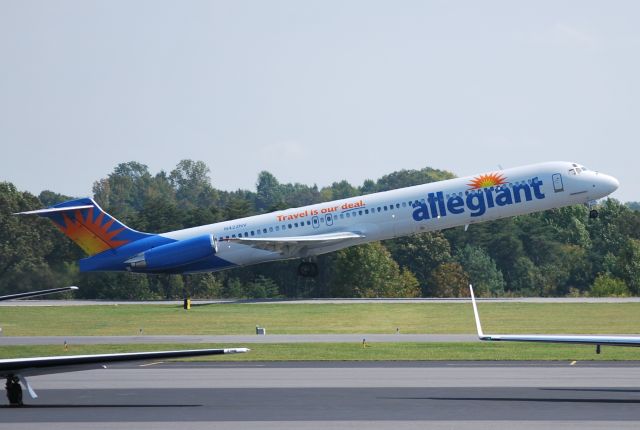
(371, 395)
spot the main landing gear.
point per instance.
(14, 390)
(308, 269)
(593, 213)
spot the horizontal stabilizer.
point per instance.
(54, 210)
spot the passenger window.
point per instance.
(277, 228)
(252, 233)
(348, 215)
(295, 224)
(264, 230)
(359, 212)
(404, 204)
(246, 234)
(270, 229)
(290, 227)
(342, 216)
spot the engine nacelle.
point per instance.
(175, 254)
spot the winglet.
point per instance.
(475, 312)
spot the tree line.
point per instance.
(559, 252)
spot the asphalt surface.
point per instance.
(309, 395)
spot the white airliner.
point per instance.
(597, 340)
(15, 370)
(312, 230)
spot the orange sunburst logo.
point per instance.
(487, 180)
(92, 235)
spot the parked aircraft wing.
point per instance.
(293, 244)
(36, 293)
(71, 363)
(577, 339)
(15, 370)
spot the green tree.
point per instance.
(192, 184)
(25, 244)
(606, 285)
(369, 271)
(449, 280)
(340, 190)
(115, 286)
(123, 192)
(481, 270)
(204, 286)
(421, 254)
(269, 192)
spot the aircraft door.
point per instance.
(329, 219)
(558, 186)
(316, 222)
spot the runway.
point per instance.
(310, 395)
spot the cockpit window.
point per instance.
(572, 172)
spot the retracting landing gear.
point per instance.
(593, 213)
(308, 269)
(14, 390)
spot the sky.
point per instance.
(315, 91)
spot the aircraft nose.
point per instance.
(608, 183)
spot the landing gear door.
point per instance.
(558, 186)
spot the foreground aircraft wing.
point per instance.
(293, 244)
(36, 293)
(71, 363)
(15, 370)
(582, 339)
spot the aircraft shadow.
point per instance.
(521, 399)
(604, 390)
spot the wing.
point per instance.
(36, 293)
(20, 368)
(297, 244)
(72, 363)
(577, 339)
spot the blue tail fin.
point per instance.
(84, 222)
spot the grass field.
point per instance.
(437, 318)
(355, 351)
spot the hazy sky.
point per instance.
(316, 91)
